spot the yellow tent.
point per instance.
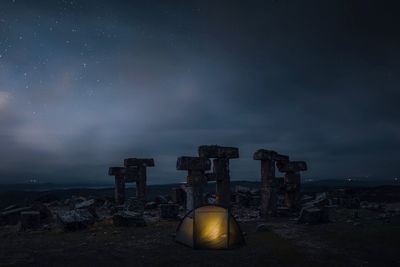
(209, 227)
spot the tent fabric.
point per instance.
(209, 227)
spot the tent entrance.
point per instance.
(209, 227)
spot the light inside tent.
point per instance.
(209, 227)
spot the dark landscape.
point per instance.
(199, 133)
(365, 234)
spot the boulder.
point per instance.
(135, 205)
(46, 215)
(76, 219)
(12, 216)
(85, 204)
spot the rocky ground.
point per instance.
(356, 232)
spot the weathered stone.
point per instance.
(76, 219)
(85, 204)
(12, 216)
(215, 151)
(193, 163)
(46, 216)
(263, 154)
(220, 174)
(189, 203)
(169, 211)
(113, 171)
(30, 220)
(135, 204)
(291, 166)
(128, 218)
(196, 179)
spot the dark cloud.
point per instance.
(84, 84)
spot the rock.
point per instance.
(313, 215)
(128, 218)
(76, 219)
(85, 204)
(150, 205)
(169, 211)
(75, 200)
(211, 200)
(262, 228)
(46, 215)
(30, 220)
(134, 204)
(12, 216)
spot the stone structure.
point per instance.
(292, 181)
(220, 174)
(134, 171)
(119, 191)
(269, 186)
(196, 179)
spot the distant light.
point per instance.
(396, 179)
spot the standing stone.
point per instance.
(292, 181)
(119, 191)
(196, 179)
(269, 186)
(220, 174)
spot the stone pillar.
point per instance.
(220, 174)
(196, 179)
(269, 186)
(119, 191)
(223, 190)
(141, 183)
(292, 181)
(138, 173)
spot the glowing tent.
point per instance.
(209, 227)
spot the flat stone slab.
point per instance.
(76, 219)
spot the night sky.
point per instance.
(85, 84)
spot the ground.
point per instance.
(286, 243)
